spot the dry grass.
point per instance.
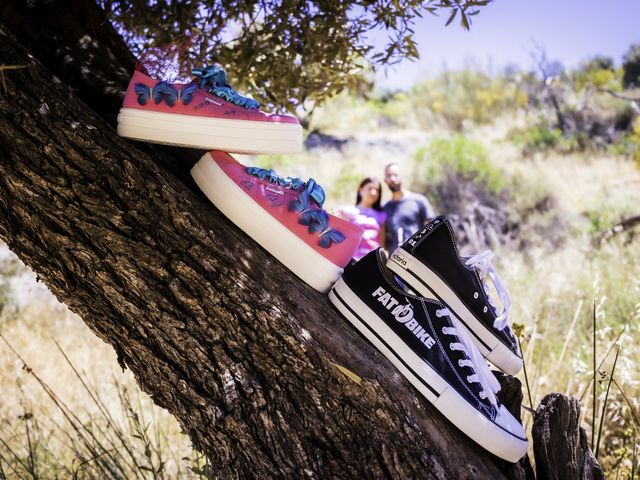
(60, 420)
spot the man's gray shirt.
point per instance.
(405, 217)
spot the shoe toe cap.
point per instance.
(508, 422)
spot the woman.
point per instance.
(367, 213)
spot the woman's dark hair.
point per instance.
(376, 204)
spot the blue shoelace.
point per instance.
(308, 205)
(214, 79)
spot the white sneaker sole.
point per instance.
(494, 438)
(278, 240)
(239, 136)
(427, 283)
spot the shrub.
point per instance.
(456, 174)
(599, 77)
(461, 155)
(543, 138)
(631, 67)
(628, 145)
(598, 62)
(457, 98)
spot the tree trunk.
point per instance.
(255, 365)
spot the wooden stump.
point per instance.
(560, 446)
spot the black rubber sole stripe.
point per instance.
(469, 329)
(431, 389)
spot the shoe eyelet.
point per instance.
(475, 295)
(451, 346)
(485, 309)
(460, 363)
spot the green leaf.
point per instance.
(464, 21)
(453, 15)
(289, 53)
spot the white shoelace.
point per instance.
(482, 261)
(483, 376)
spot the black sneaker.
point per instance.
(430, 264)
(420, 338)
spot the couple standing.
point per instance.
(388, 226)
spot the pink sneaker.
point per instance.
(205, 113)
(284, 215)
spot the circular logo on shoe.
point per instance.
(403, 313)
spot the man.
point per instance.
(406, 211)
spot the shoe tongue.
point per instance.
(483, 280)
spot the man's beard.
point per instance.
(395, 188)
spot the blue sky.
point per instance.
(506, 31)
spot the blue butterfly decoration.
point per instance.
(163, 91)
(310, 215)
(143, 93)
(186, 94)
(302, 206)
(327, 236)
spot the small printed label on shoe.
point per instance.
(274, 189)
(404, 315)
(211, 100)
(248, 184)
(207, 101)
(275, 200)
(399, 259)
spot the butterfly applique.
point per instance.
(163, 91)
(302, 206)
(308, 204)
(327, 236)
(186, 94)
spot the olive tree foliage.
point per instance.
(285, 53)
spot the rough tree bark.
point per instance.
(561, 448)
(246, 357)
